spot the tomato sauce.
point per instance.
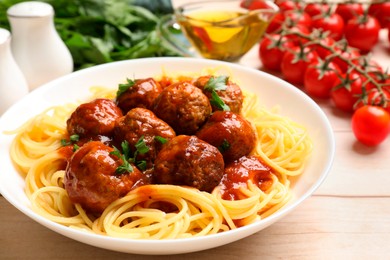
(239, 172)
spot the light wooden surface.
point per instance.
(348, 217)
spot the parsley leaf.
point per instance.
(72, 139)
(126, 166)
(141, 146)
(126, 149)
(216, 83)
(75, 147)
(218, 102)
(122, 88)
(160, 139)
(224, 146)
(141, 165)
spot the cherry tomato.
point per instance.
(349, 10)
(362, 32)
(330, 22)
(272, 49)
(316, 9)
(254, 4)
(349, 54)
(319, 79)
(346, 91)
(276, 23)
(286, 5)
(295, 62)
(372, 68)
(323, 52)
(375, 98)
(381, 11)
(388, 33)
(298, 17)
(371, 125)
(296, 39)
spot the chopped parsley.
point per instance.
(213, 85)
(75, 147)
(129, 157)
(216, 83)
(218, 102)
(122, 88)
(141, 146)
(72, 139)
(224, 146)
(126, 166)
(160, 139)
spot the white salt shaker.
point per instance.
(38, 49)
(13, 84)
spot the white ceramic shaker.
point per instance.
(13, 85)
(38, 49)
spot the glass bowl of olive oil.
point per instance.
(221, 30)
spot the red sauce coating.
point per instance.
(239, 172)
(94, 118)
(141, 94)
(91, 178)
(231, 129)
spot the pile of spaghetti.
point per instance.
(162, 210)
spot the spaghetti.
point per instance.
(281, 143)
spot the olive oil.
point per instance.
(223, 35)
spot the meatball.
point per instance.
(141, 122)
(92, 180)
(141, 94)
(231, 133)
(239, 172)
(187, 160)
(183, 106)
(231, 95)
(94, 118)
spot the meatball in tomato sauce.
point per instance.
(187, 160)
(142, 123)
(92, 178)
(230, 93)
(231, 133)
(141, 94)
(183, 106)
(94, 118)
(239, 172)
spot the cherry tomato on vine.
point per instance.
(323, 52)
(276, 23)
(253, 4)
(331, 22)
(347, 90)
(371, 125)
(319, 78)
(349, 10)
(314, 9)
(286, 5)
(372, 68)
(362, 32)
(298, 17)
(272, 49)
(295, 62)
(381, 11)
(296, 39)
(349, 54)
(377, 98)
(388, 33)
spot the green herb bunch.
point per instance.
(101, 31)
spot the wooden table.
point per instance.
(348, 217)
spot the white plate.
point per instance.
(271, 91)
